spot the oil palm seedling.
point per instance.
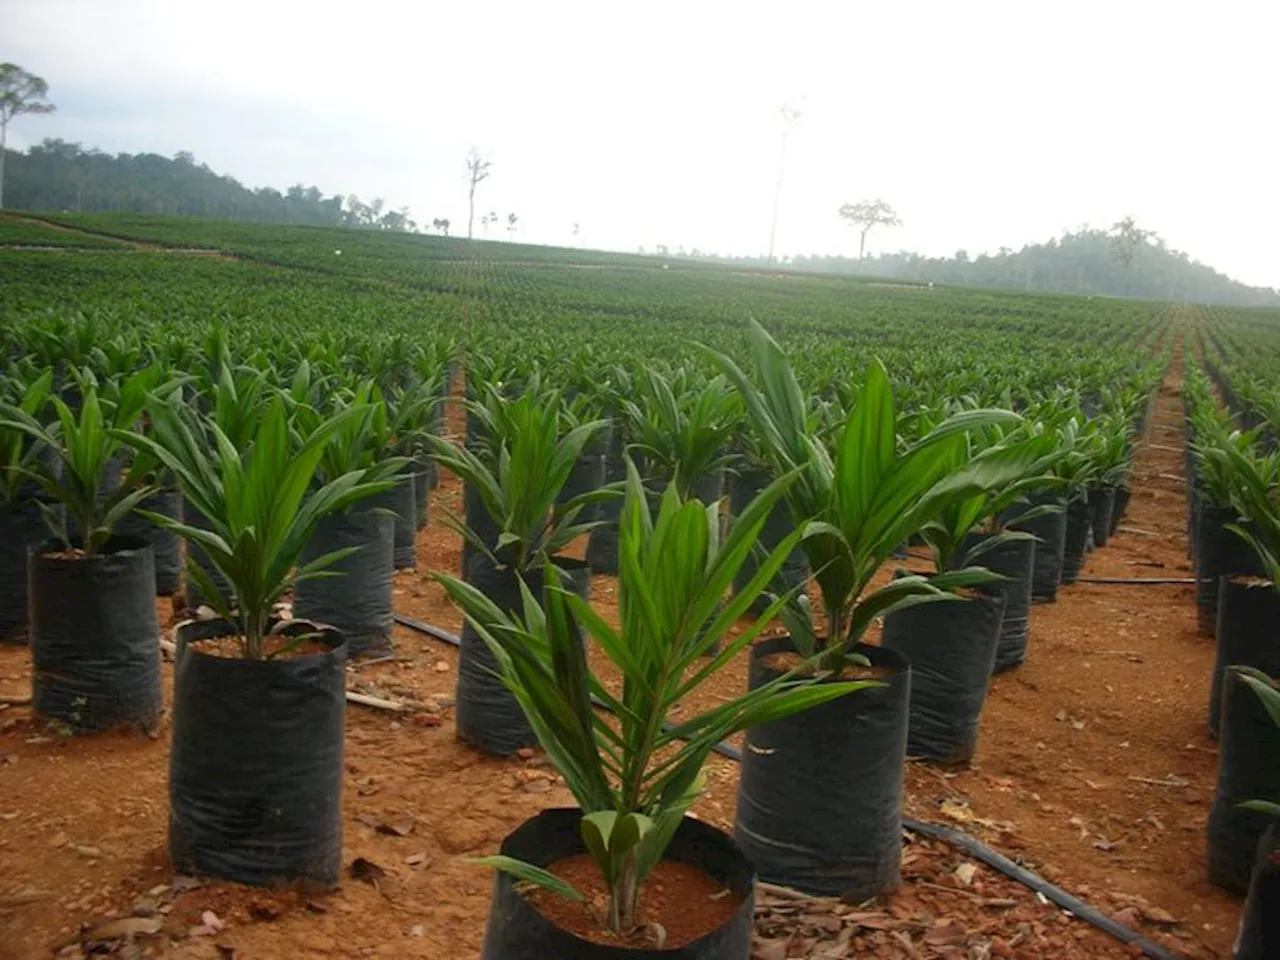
(681, 431)
(854, 508)
(271, 813)
(91, 610)
(21, 522)
(358, 603)
(514, 478)
(635, 777)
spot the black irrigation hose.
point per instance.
(1138, 581)
(998, 861)
(971, 845)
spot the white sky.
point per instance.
(985, 124)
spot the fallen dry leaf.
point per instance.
(965, 873)
(123, 927)
(366, 870)
(770, 949)
(401, 828)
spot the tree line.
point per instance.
(61, 175)
(1121, 261)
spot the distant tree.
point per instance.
(477, 172)
(488, 220)
(20, 92)
(511, 225)
(576, 228)
(1127, 238)
(444, 226)
(866, 214)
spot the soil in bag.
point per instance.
(602, 544)
(534, 926)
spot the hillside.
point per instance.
(59, 177)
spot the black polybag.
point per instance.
(1050, 530)
(21, 526)
(358, 602)
(95, 652)
(1102, 502)
(424, 481)
(602, 544)
(1259, 937)
(1248, 769)
(400, 501)
(1248, 615)
(820, 793)
(1219, 553)
(196, 554)
(951, 645)
(744, 486)
(1120, 507)
(1076, 538)
(165, 545)
(517, 931)
(587, 475)
(487, 714)
(1014, 560)
(255, 771)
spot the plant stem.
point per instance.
(623, 898)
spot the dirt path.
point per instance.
(1094, 769)
(1097, 751)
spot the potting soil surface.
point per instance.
(1094, 769)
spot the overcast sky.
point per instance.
(985, 124)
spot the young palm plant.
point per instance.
(682, 431)
(636, 779)
(257, 502)
(83, 447)
(514, 529)
(517, 472)
(855, 508)
(21, 523)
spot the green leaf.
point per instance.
(528, 873)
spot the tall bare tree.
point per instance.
(866, 214)
(477, 172)
(512, 220)
(20, 92)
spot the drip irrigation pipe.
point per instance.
(1138, 581)
(971, 845)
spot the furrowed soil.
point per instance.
(1094, 770)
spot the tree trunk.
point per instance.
(862, 246)
(471, 209)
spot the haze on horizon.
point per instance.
(985, 125)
